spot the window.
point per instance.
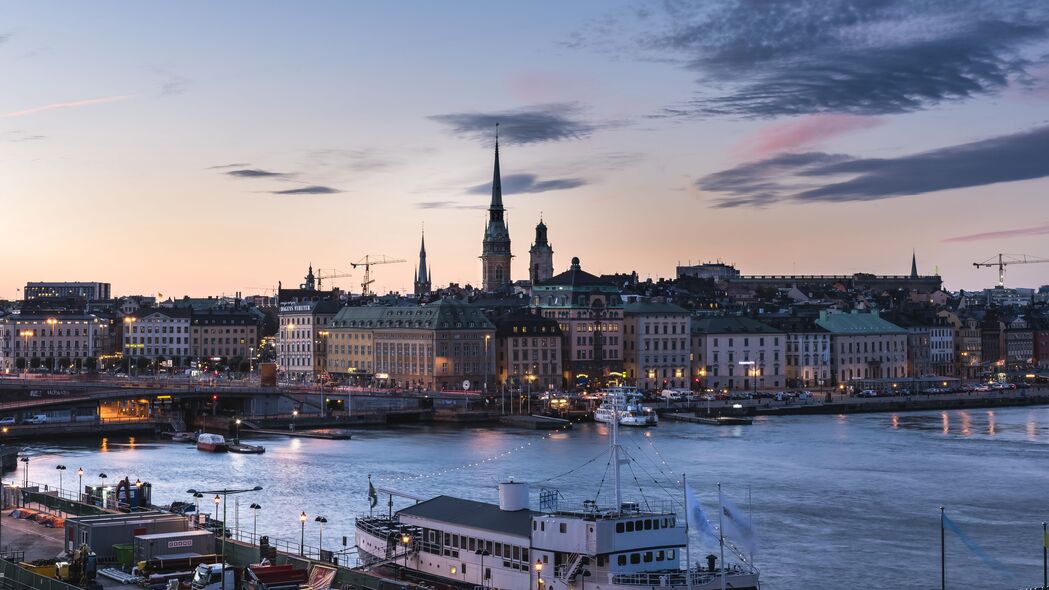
(630, 526)
(563, 528)
(648, 557)
(648, 525)
(621, 559)
(620, 527)
(635, 558)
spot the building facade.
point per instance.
(302, 337)
(528, 352)
(446, 345)
(1019, 343)
(91, 291)
(967, 345)
(230, 337)
(590, 313)
(865, 346)
(737, 353)
(657, 345)
(806, 352)
(160, 334)
(52, 340)
(495, 249)
(540, 256)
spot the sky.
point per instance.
(198, 148)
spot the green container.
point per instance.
(125, 555)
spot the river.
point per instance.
(838, 501)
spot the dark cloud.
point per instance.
(527, 183)
(534, 124)
(1015, 232)
(308, 190)
(446, 205)
(844, 56)
(223, 166)
(255, 173)
(820, 177)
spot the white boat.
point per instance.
(213, 443)
(453, 542)
(625, 402)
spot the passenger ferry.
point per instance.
(626, 403)
(507, 546)
(213, 443)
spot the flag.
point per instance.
(1045, 540)
(697, 519)
(373, 496)
(978, 551)
(736, 525)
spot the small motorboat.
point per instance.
(246, 449)
(212, 443)
(184, 436)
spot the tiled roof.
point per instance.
(731, 325)
(442, 315)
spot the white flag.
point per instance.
(697, 519)
(736, 525)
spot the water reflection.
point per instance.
(946, 422)
(966, 423)
(990, 422)
(895, 422)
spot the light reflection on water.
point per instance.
(836, 498)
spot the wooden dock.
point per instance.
(534, 422)
(710, 420)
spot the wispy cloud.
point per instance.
(801, 132)
(255, 173)
(821, 177)
(67, 105)
(224, 166)
(1016, 232)
(534, 124)
(446, 205)
(308, 190)
(527, 183)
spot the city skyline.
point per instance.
(281, 137)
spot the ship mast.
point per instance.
(616, 461)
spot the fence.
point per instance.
(16, 578)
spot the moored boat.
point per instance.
(625, 403)
(212, 443)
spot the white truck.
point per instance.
(208, 576)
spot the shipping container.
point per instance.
(183, 544)
(102, 531)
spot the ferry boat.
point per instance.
(470, 545)
(625, 402)
(212, 443)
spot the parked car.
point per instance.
(35, 419)
(7, 421)
(867, 393)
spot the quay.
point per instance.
(535, 422)
(710, 420)
(327, 433)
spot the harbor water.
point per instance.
(837, 501)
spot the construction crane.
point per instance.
(367, 262)
(1003, 260)
(335, 274)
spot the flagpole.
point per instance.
(1045, 559)
(943, 554)
(371, 505)
(688, 541)
(721, 535)
(750, 522)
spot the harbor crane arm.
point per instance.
(335, 274)
(1003, 260)
(367, 262)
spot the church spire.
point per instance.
(497, 182)
(914, 265)
(422, 271)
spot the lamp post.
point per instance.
(302, 533)
(538, 574)
(80, 489)
(25, 464)
(102, 488)
(61, 470)
(294, 415)
(320, 539)
(216, 513)
(52, 322)
(224, 492)
(25, 352)
(255, 522)
(236, 431)
(487, 338)
(482, 577)
(406, 540)
(127, 342)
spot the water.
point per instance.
(848, 501)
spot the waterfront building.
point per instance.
(719, 271)
(930, 342)
(422, 271)
(737, 353)
(444, 345)
(308, 291)
(92, 291)
(495, 249)
(590, 313)
(806, 352)
(302, 337)
(864, 346)
(1019, 342)
(225, 336)
(540, 256)
(528, 351)
(52, 340)
(992, 340)
(657, 345)
(1040, 341)
(158, 335)
(967, 344)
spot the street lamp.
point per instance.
(406, 540)
(236, 432)
(487, 337)
(25, 463)
(61, 470)
(538, 573)
(294, 415)
(102, 488)
(129, 320)
(255, 521)
(25, 352)
(320, 539)
(224, 493)
(52, 322)
(80, 490)
(302, 533)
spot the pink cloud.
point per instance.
(65, 105)
(801, 132)
(1016, 232)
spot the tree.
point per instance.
(141, 363)
(34, 363)
(91, 363)
(64, 362)
(20, 363)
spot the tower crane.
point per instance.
(335, 274)
(1003, 260)
(367, 262)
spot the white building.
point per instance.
(657, 345)
(865, 346)
(158, 334)
(737, 353)
(302, 338)
(51, 340)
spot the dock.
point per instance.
(535, 422)
(327, 433)
(710, 420)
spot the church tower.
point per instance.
(914, 265)
(311, 280)
(495, 250)
(422, 272)
(540, 256)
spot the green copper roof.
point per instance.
(857, 323)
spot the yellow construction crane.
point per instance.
(367, 262)
(335, 274)
(1003, 260)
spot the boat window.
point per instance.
(655, 524)
(635, 558)
(463, 565)
(648, 557)
(533, 525)
(542, 526)
(563, 527)
(648, 524)
(498, 550)
(619, 527)
(473, 544)
(517, 553)
(447, 539)
(524, 555)
(670, 554)
(630, 526)
(455, 541)
(660, 555)
(640, 525)
(621, 560)
(600, 560)
(488, 547)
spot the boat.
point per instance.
(625, 402)
(247, 449)
(212, 443)
(452, 542)
(184, 436)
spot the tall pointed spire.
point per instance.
(914, 265)
(497, 182)
(422, 271)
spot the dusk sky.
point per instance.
(197, 148)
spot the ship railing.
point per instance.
(668, 578)
(591, 510)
